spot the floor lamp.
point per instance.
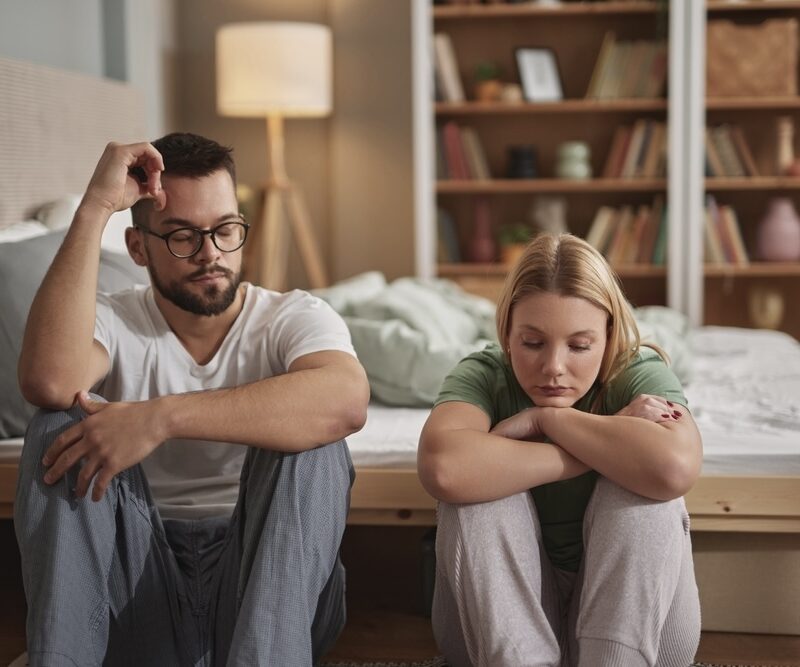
(275, 71)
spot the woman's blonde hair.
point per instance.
(567, 265)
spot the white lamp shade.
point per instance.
(267, 68)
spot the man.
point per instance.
(147, 538)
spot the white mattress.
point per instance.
(745, 397)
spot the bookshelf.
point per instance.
(727, 291)
(710, 292)
(491, 32)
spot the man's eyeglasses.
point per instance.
(187, 241)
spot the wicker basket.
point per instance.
(752, 60)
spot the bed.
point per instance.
(745, 394)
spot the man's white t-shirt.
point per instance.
(196, 478)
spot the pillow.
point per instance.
(668, 329)
(22, 266)
(20, 231)
(58, 215)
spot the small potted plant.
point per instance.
(488, 87)
(512, 239)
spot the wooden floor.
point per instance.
(386, 608)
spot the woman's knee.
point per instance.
(612, 503)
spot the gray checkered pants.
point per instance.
(109, 583)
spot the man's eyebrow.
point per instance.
(182, 222)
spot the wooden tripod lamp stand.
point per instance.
(275, 71)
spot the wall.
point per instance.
(60, 34)
(130, 40)
(307, 161)
(354, 168)
(372, 187)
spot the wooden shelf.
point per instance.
(752, 5)
(522, 186)
(566, 106)
(753, 270)
(500, 270)
(521, 10)
(760, 183)
(753, 103)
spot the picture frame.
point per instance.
(538, 75)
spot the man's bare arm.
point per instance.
(59, 356)
(321, 400)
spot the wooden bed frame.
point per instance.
(395, 497)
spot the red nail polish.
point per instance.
(677, 414)
(672, 405)
(665, 416)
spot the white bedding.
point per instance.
(745, 397)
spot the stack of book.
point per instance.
(629, 235)
(727, 153)
(446, 79)
(723, 238)
(460, 154)
(638, 151)
(628, 69)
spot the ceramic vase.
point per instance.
(779, 232)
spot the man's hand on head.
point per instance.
(113, 437)
(125, 174)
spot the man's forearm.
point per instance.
(291, 412)
(59, 333)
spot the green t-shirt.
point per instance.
(485, 379)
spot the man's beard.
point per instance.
(212, 301)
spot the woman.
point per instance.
(560, 458)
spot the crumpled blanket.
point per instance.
(410, 333)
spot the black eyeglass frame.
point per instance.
(203, 232)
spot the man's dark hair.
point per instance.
(191, 156)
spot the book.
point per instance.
(655, 149)
(454, 152)
(713, 252)
(660, 247)
(632, 68)
(447, 66)
(448, 247)
(657, 76)
(727, 252)
(743, 150)
(638, 226)
(616, 154)
(615, 250)
(634, 146)
(476, 158)
(727, 152)
(599, 231)
(647, 136)
(612, 83)
(599, 72)
(442, 173)
(643, 80)
(715, 168)
(731, 225)
(650, 234)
